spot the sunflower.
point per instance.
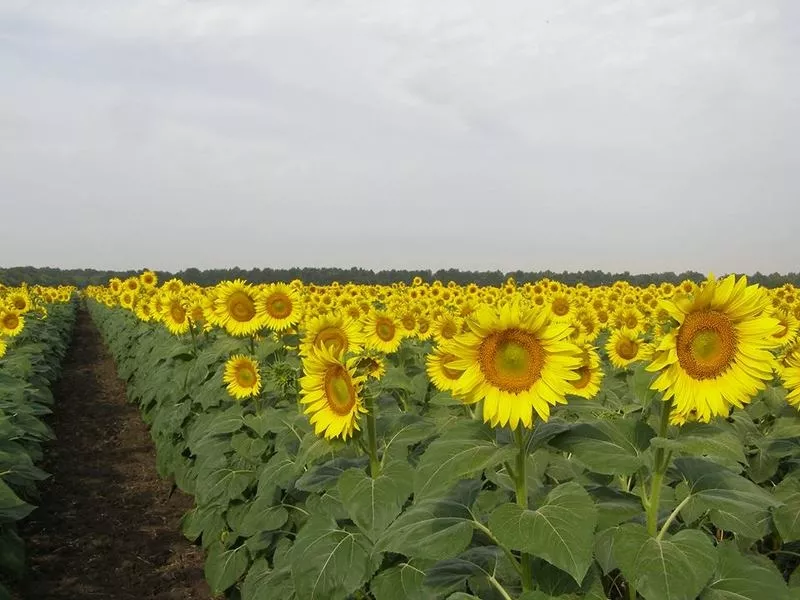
(719, 355)
(19, 302)
(441, 374)
(235, 308)
(148, 279)
(445, 327)
(788, 326)
(335, 331)
(625, 347)
(790, 374)
(3, 347)
(11, 322)
(331, 393)
(382, 331)
(131, 284)
(280, 306)
(127, 299)
(517, 361)
(371, 363)
(562, 307)
(590, 374)
(173, 314)
(242, 377)
(629, 319)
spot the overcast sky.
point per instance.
(515, 134)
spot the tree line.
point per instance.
(13, 276)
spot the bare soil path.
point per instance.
(106, 527)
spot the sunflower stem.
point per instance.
(521, 492)
(372, 438)
(253, 344)
(660, 468)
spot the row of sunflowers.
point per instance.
(35, 328)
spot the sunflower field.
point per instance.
(35, 329)
(435, 441)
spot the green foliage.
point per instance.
(31, 365)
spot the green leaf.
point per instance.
(432, 529)
(401, 582)
(717, 442)
(221, 481)
(739, 578)
(225, 567)
(263, 583)
(787, 516)
(609, 446)
(12, 508)
(560, 531)
(449, 459)
(450, 574)
(328, 562)
(374, 503)
(673, 568)
(324, 476)
(263, 515)
(732, 502)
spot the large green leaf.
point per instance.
(225, 567)
(261, 515)
(401, 582)
(432, 529)
(449, 575)
(732, 502)
(610, 446)
(739, 578)
(560, 531)
(328, 562)
(673, 568)
(787, 515)
(263, 583)
(455, 457)
(374, 503)
(12, 508)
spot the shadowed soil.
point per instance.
(107, 526)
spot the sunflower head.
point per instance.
(517, 360)
(3, 347)
(382, 331)
(11, 322)
(242, 376)
(280, 306)
(235, 308)
(441, 374)
(331, 393)
(335, 331)
(625, 347)
(718, 355)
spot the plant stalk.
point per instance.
(521, 492)
(372, 438)
(660, 468)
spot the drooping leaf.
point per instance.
(225, 567)
(739, 578)
(732, 502)
(560, 531)
(609, 446)
(451, 458)
(672, 568)
(432, 529)
(329, 562)
(374, 503)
